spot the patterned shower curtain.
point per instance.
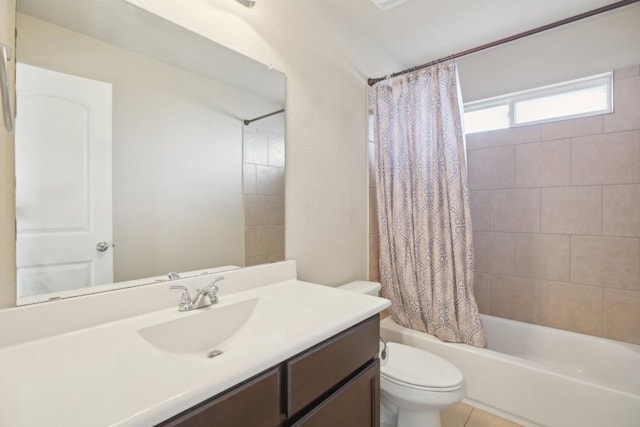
(426, 247)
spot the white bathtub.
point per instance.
(539, 376)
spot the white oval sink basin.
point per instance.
(219, 327)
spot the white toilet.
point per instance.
(415, 385)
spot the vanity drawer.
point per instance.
(355, 404)
(255, 403)
(318, 370)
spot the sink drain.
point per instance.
(214, 353)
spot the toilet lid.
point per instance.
(417, 367)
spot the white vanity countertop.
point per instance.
(108, 375)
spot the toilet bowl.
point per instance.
(415, 385)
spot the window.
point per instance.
(577, 98)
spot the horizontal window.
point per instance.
(488, 118)
(577, 98)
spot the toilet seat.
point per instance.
(415, 368)
(422, 387)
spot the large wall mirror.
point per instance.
(133, 163)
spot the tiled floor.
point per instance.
(463, 415)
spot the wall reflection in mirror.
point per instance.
(132, 160)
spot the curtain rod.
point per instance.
(248, 122)
(537, 30)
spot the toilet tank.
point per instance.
(362, 287)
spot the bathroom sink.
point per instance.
(223, 327)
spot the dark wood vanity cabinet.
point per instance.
(356, 403)
(253, 403)
(333, 384)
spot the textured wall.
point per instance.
(556, 216)
(591, 46)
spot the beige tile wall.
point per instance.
(263, 183)
(556, 218)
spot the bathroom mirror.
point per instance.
(133, 164)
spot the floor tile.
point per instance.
(456, 415)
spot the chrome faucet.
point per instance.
(208, 293)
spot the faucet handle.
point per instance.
(186, 302)
(213, 294)
(211, 290)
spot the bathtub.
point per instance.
(539, 376)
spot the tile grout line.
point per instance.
(468, 417)
(612, 184)
(569, 136)
(612, 236)
(490, 281)
(602, 189)
(602, 317)
(541, 230)
(513, 152)
(571, 162)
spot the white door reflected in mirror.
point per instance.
(63, 182)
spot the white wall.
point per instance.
(177, 153)
(592, 46)
(326, 177)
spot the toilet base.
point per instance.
(391, 417)
(418, 419)
(388, 413)
(404, 406)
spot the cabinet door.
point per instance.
(356, 404)
(318, 370)
(253, 404)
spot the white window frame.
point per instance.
(512, 99)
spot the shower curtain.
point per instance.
(426, 248)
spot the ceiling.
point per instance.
(413, 33)
(420, 31)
